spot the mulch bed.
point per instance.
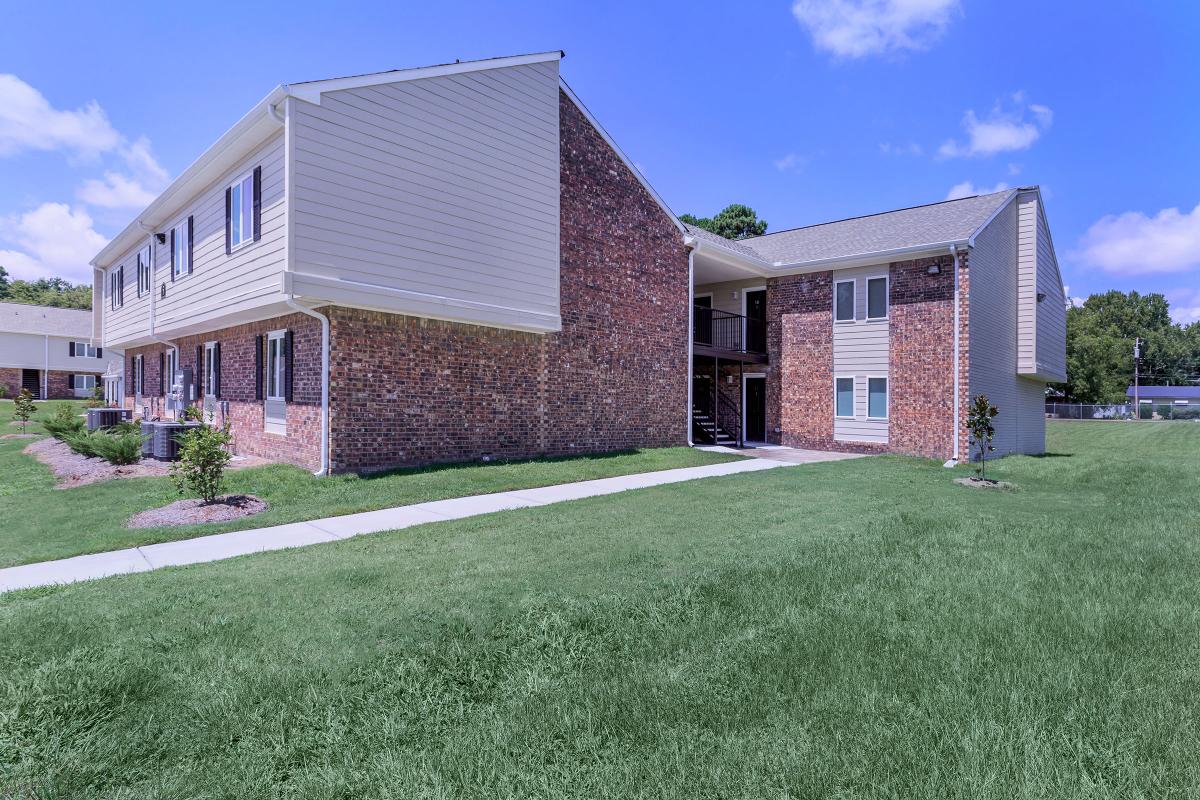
(976, 483)
(73, 469)
(196, 512)
(19, 436)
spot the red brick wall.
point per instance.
(800, 343)
(301, 445)
(411, 391)
(10, 379)
(58, 384)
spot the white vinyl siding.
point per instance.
(435, 197)
(1042, 326)
(132, 318)
(861, 348)
(31, 351)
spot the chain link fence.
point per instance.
(1122, 411)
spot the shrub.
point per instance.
(97, 398)
(200, 469)
(82, 442)
(1188, 412)
(192, 414)
(23, 408)
(126, 426)
(118, 448)
(3, 391)
(64, 421)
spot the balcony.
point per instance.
(724, 335)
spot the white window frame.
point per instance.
(145, 268)
(171, 365)
(887, 396)
(139, 366)
(84, 350)
(853, 396)
(853, 301)
(114, 288)
(1181, 402)
(234, 211)
(179, 256)
(210, 349)
(746, 377)
(275, 371)
(75, 379)
(887, 303)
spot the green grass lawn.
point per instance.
(42, 523)
(852, 629)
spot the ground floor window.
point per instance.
(276, 358)
(844, 392)
(85, 383)
(877, 398)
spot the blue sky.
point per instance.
(806, 111)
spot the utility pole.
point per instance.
(1137, 360)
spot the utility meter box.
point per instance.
(182, 391)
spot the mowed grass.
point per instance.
(854, 629)
(41, 522)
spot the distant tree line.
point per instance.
(733, 222)
(1100, 339)
(56, 292)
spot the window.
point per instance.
(210, 369)
(84, 350)
(181, 252)
(877, 298)
(877, 398)
(144, 270)
(844, 390)
(844, 301)
(116, 287)
(84, 383)
(139, 374)
(276, 359)
(241, 211)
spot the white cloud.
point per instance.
(910, 149)
(1185, 305)
(135, 190)
(29, 122)
(790, 163)
(858, 28)
(54, 240)
(968, 189)
(1135, 244)
(1002, 131)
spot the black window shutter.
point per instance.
(121, 286)
(216, 357)
(99, 352)
(258, 367)
(162, 368)
(190, 248)
(142, 376)
(287, 366)
(71, 380)
(198, 377)
(257, 203)
(71, 348)
(129, 372)
(172, 254)
(228, 218)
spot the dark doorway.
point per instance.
(31, 379)
(702, 321)
(756, 321)
(756, 409)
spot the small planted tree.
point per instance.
(23, 408)
(97, 398)
(203, 456)
(981, 430)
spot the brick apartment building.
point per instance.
(49, 351)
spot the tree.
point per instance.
(202, 460)
(4, 283)
(981, 431)
(734, 222)
(23, 408)
(45, 292)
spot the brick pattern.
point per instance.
(800, 346)
(58, 385)
(10, 380)
(922, 359)
(301, 445)
(413, 391)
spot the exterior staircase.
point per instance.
(705, 429)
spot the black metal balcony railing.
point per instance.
(723, 330)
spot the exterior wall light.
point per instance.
(934, 269)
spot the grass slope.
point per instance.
(43, 523)
(852, 629)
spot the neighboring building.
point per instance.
(49, 351)
(1167, 401)
(457, 262)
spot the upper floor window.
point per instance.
(877, 298)
(84, 350)
(116, 287)
(243, 201)
(144, 270)
(181, 249)
(844, 301)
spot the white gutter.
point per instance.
(954, 422)
(46, 368)
(291, 301)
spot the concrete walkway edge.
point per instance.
(216, 547)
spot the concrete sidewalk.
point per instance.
(298, 534)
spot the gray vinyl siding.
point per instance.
(131, 320)
(1027, 214)
(220, 283)
(444, 188)
(722, 293)
(860, 350)
(1051, 339)
(993, 340)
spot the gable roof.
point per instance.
(1166, 392)
(944, 223)
(45, 320)
(736, 246)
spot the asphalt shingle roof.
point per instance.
(948, 221)
(22, 318)
(729, 244)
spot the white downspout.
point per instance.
(690, 336)
(954, 422)
(291, 301)
(46, 369)
(153, 296)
